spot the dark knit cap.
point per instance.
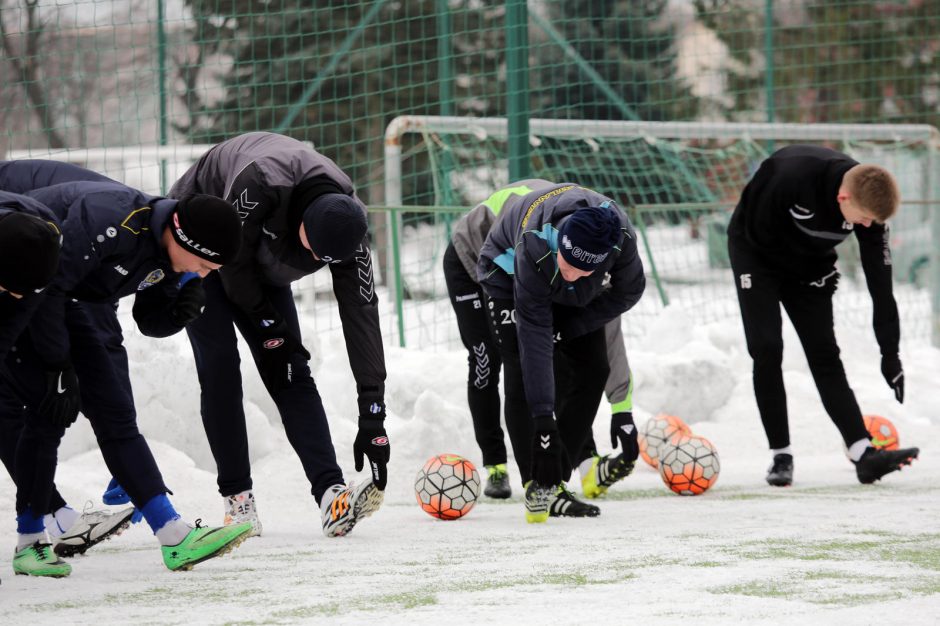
(208, 227)
(29, 252)
(335, 225)
(588, 235)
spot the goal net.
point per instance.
(680, 182)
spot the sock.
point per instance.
(24, 540)
(584, 467)
(60, 521)
(787, 450)
(66, 516)
(158, 512)
(28, 522)
(173, 532)
(857, 449)
(29, 528)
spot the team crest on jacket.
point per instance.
(152, 279)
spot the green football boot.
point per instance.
(537, 501)
(40, 560)
(203, 543)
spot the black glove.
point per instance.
(623, 429)
(189, 303)
(372, 441)
(894, 375)
(548, 453)
(62, 401)
(277, 345)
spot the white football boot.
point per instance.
(342, 507)
(91, 528)
(242, 508)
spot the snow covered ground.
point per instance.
(827, 550)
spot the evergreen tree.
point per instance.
(272, 52)
(631, 46)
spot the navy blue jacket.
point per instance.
(111, 248)
(13, 323)
(28, 175)
(519, 262)
(152, 307)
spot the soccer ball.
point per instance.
(447, 486)
(883, 433)
(658, 431)
(689, 465)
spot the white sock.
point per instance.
(857, 449)
(60, 521)
(787, 450)
(584, 467)
(28, 539)
(173, 532)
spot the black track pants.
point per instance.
(761, 290)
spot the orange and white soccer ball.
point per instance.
(658, 431)
(689, 465)
(447, 486)
(883, 433)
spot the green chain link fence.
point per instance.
(138, 88)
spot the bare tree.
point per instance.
(25, 62)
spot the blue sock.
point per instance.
(158, 511)
(28, 523)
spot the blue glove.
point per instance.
(115, 494)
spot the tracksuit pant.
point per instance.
(581, 370)
(619, 387)
(483, 358)
(215, 347)
(761, 290)
(100, 364)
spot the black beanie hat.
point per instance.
(208, 227)
(335, 225)
(29, 252)
(588, 235)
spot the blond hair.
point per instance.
(874, 189)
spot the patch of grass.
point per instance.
(856, 599)
(830, 587)
(638, 494)
(55, 606)
(758, 589)
(610, 573)
(410, 600)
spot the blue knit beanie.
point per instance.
(588, 235)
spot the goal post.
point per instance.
(679, 180)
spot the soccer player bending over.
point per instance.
(598, 472)
(543, 268)
(800, 204)
(299, 215)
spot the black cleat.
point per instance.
(566, 505)
(876, 463)
(780, 473)
(497, 483)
